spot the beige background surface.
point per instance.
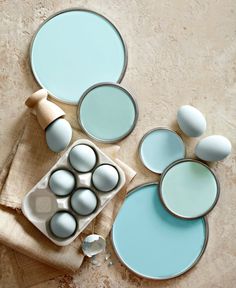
(180, 52)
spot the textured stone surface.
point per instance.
(180, 52)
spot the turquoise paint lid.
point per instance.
(74, 49)
(189, 189)
(107, 112)
(152, 242)
(159, 148)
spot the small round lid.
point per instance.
(189, 189)
(107, 112)
(160, 147)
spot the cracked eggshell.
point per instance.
(93, 244)
(213, 148)
(191, 121)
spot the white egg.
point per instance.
(105, 177)
(63, 224)
(82, 158)
(58, 135)
(213, 148)
(191, 121)
(62, 182)
(84, 201)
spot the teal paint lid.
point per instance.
(189, 189)
(153, 243)
(74, 49)
(160, 147)
(107, 112)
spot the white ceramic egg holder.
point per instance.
(40, 203)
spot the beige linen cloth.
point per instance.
(28, 162)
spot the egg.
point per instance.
(213, 148)
(62, 182)
(63, 224)
(84, 201)
(105, 177)
(191, 121)
(58, 135)
(82, 158)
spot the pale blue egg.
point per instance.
(191, 121)
(62, 182)
(58, 135)
(105, 177)
(213, 148)
(84, 201)
(63, 224)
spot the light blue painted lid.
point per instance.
(159, 148)
(73, 50)
(107, 112)
(152, 242)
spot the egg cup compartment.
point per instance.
(40, 204)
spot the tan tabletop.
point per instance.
(180, 52)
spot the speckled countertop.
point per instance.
(180, 52)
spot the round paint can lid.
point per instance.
(152, 242)
(107, 112)
(189, 189)
(74, 49)
(159, 148)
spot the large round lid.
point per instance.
(74, 49)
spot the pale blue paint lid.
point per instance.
(159, 148)
(75, 49)
(107, 112)
(152, 242)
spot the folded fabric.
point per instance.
(28, 162)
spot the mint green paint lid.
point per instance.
(74, 49)
(107, 112)
(189, 189)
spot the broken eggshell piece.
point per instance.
(93, 245)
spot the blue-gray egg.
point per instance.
(62, 182)
(191, 121)
(63, 224)
(82, 158)
(105, 177)
(213, 148)
(58, 135)
(84, 201)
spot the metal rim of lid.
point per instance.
(147, 134)
(135, 189)
(122, 74)
(217, 187)
(127, 93)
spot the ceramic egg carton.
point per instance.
(41, 204)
